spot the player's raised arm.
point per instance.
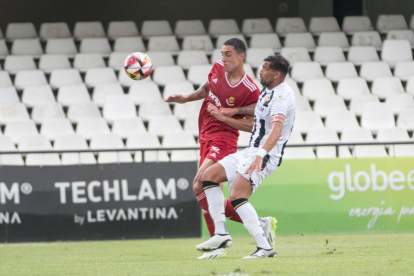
(244, 110)
(199, 94)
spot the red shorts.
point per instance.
(216, 149)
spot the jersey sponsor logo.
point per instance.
(214, 98)
(215, 80)
(230, 101)
(215, 149)
(277, 118)
(213, 155)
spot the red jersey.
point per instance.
(223, 94)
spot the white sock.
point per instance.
(252, 223)
(215, 199)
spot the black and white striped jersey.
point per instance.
(279, 101)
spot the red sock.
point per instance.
(202, 200)
(230, 212)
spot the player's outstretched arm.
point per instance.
(244, 110)
(245, 124)
(199, 94)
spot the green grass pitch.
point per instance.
(386, 255)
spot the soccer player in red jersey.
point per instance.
(230, 91)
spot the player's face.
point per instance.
(231, 59)
(267, 75)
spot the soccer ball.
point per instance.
(138, 66)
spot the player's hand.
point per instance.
(256, 165)
(213, 110)
(176, 98)
(229, 112)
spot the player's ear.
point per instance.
(242, 55)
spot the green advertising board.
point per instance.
(337, 196)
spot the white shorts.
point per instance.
(238, 162)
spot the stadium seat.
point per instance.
(327, 54)
(118, 29)
(129, 44)
(342, 120)
(361, 54)
(412, 22)
(13, 64)
(154, 109)
(74, 142)
(367, 39)
(191, 125)
(5, 80)
(144, 92)
(19, 128)
(98, 45)
(62, 46)
(27, 47)
(292, 84)
(54, 30)
(376, 116)
(198, 42)
(321, 136)
(180, 140)
(336, 71)
(405, 119)
(166, 74)
(224, 37)
(84, 61)
(404, 70)
(353, 24)
(9, 159)
(317, 88)
(401, 35)
(295, 54)
(399, 102)
(307, 120)
(100, 91)
(216, 56)
(8, 95)
(266, 41)
(162, 125)
(110, 141)
(88, 30)
(334, 39)
(185, 28)
(119, 107)
(183, 88)
(4, 51)
(302, 104)
(95, 76)
(164, 43)
(197, 74)
(126, 81)
(89, 127)
(127, 127)
(42, 112)
(73, 94)
(182, 111)
(252, 26)
(145, 141)
(38, 95)
(255, 56)
(117, 60)
(362, 135)
(38, 142)
(20, 31)
(318, 25)
(285, 25)
(300, 40)
(48, 63)
(352, 87)
(161, 58)
(358, 103)
(78, 112)
(64, 77)
(218, 27)
(409, 87)
(384, 87)
(188, 58)
(303, 71)
(53, 128)
(1, 34)
(375, 69)
(394, 51)
(329, 104)
(152, 28)
(29, 78)
(387, 23)
(297, 153)
(396, 135)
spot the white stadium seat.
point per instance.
(84, 61)
(162, 125)
(161, 58)
(371, 38)
(387, 22)
(152, 28)
(190, 109)
(384, 87)
(224, 37)
(164, 43)
(295, 54)
(73, 94)
(358, 103)
(5, 79)
(409, 87)
(4, 51)
(28, 78)
(8, 95)
(191, 125)
(352, 24)
(394, 51)
(117, 60)
(53, 128)
(19, 128)
(375, 69)
(404, 70)
(13, 64)
(320, 136)
(95, 45)
(188, 58)
(377, 116)
(318, 25)
(64, 77)
(147, 140)
(303, 71)
(74, 142)
(38, 142)
(402, 35)
(327, 54)
(42, 112)
(129, 44)
(336, 71)
(266, 41)
(329, 104)
(89, 127)
(95, 76)
(396, 135)
(54, 30)
(185, 28)
(61, 46)
(198, 74)
(127, 127)
(198, 42)
(302, 104)
(363, 135)
(183, 88)
(252, 26)
(218, 27)
(405, 119)
(412, 22)
(399, 102)
(150, 110)
(180, 140)
(342, 120)
(24, 30)
(37, 95)
(361, 54)
(100, 91)
(307, 120)
(146, 91)
(9, 159)
(122, 29)
(27, 47)
(334, 39)
(255, 56)
(352, 87)
(126, 81)
(110, 141)
(119, 107)
(167, 74)
(88, 29)
(300, 40)
(49, 62)
(317, 88)
(297, 153)
(78, 112)
(285, 25)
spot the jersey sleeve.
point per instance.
(279, 106)
(213, 72)
(253, 97)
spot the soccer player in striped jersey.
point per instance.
(273, 122)
(234, 92)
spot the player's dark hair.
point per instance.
(278, 63)
(238, 45)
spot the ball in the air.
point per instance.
(138, 66)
